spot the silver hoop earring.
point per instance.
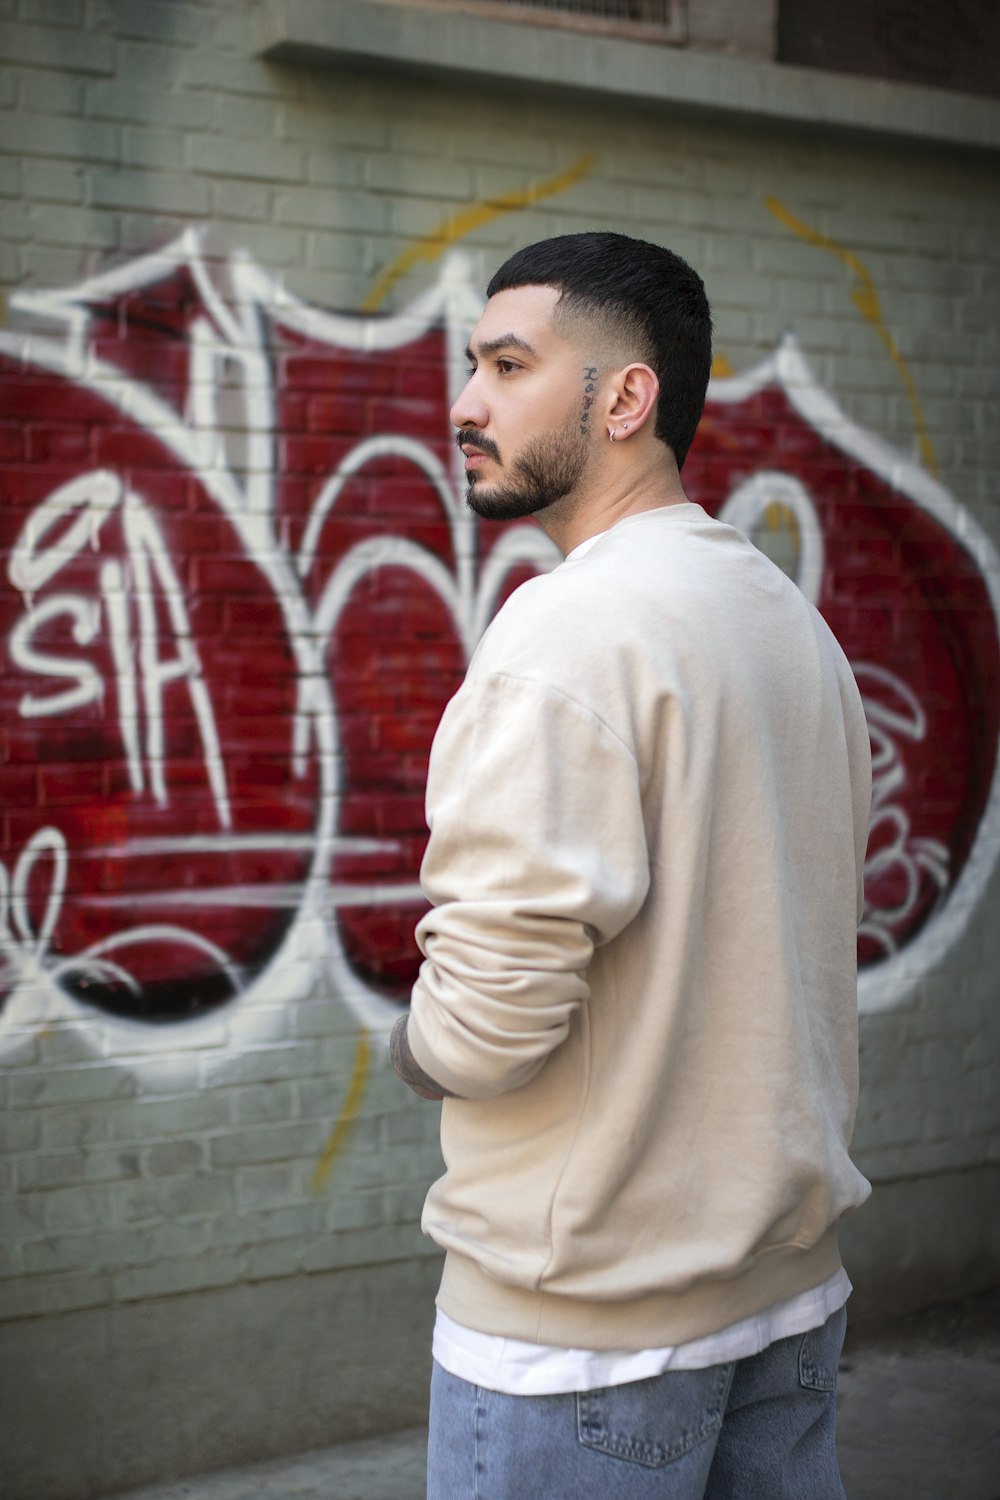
(611, 433)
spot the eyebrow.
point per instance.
(506, 341)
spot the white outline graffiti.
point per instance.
(888, 984)
(234, 459)
(903, 854)
(751, 500)
(24, 949)
(226, 436)
(91, 499)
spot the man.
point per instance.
(648, 806)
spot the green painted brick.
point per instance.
(37, 134)
(299, 1223)
(238, 73)
(162, 150)
(274, 1186)
(117, 99)
(130, 187)
(68, 13)
(241, 115)
(53, 181)
(242, 200)
(70, 1085)
(167, 21)
(255, 1106)
(60, 224)
(264, 160)
(65, 1168)
(47, 1296)
(57, 93)
(10, 177)
(170, 1157)
(170, 1277)
(174, 1198)
(68, 1210)
(264, 1262)
(333, 129)
(106, 1250)
(53, 47)
(274, 1143)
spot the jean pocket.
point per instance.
(819, 1353)
(652, 1422)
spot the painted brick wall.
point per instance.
(237, 586)
(746, 28)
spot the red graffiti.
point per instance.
(912, 610)
(240, 584)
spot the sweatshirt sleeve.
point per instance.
(537, 854)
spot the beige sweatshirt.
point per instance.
(648, 806)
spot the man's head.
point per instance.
(579, 332)
(633, 301)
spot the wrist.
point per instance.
(406, 1067)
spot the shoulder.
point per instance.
(647, 575)
(552, 626)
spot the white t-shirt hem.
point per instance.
(516, 1368)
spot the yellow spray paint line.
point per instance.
(865, 299)
(432, 245)
(781, 517)
(349, 1109)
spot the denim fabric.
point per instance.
(761, 1428)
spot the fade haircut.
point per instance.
(641, 301)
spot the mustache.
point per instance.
(478, 440)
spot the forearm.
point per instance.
(533, 859)
(408, 1069)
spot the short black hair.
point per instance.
(652, 299)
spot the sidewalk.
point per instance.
(919, 1419)
(918, 1414)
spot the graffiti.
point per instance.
(85, 503)
(866, 299)
(229, 635)
(895, 856)
(430, 247)
(349, 1107)
(240, 584)
(909, 583)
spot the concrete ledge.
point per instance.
(111, 1397)
(922, 1240)
(467, 49)
(114, 1397)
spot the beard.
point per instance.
(546, 470)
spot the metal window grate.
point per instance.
(652, 20)
(649, 12)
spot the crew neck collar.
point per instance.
(582, 548)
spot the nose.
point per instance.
(470, 408)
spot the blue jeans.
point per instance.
(761, 1428)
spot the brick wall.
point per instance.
(237, 588)
(736, 26)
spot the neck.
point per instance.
(634, 482)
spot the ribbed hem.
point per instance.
(474, 1299)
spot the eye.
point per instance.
(506, 366)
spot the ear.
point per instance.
(632, 399)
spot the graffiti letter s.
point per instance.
(86, 616)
